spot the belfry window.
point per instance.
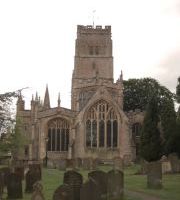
(101, 126)
(58, 135)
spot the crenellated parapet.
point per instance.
(89, 29)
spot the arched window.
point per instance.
(58, 135)
(136, 129)
(101, 126)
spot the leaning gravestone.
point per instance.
(175, 163)
(115, 184)
(154, 175)
(37, 192)
(14, 187)
(100, 178)
(75, 180)
(63, 192)
(90, 191)
(166, 165)
(31, 178)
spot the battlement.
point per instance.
(90, 29)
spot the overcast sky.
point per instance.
(37, 42)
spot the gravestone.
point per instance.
(78, 163)
(175, 163)
(95, 163)
(154, 175)
(87, 163)
(118, 164)
(1, 184)
(166, 165)
(70, 163)
(63, 192)
(31, 178)
(90, 191)
(37, 192)
(36, 169)
(14, 187)
(5, 173)
(61, 164)
(100, 178)
(115, 184)
(75, 180)
(19, 171)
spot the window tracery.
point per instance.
(58, 135)
(101, 126)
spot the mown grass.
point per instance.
(52, 178)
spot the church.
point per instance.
(96, 125)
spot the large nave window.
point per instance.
(58, 135)
(101, 126)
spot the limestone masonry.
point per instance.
(96, 125)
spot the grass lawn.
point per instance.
(52, 178)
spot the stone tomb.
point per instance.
(100, 178)
(37, 192)
(14, 187)
(74, 180)
(115, 184)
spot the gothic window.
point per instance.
(58, 135)
(101, 126)
(136, 129)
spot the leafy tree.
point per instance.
(150, 139)
(138, 92)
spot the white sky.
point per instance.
(37, 42)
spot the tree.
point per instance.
(178, 91)
(150, 139)
(138, 92)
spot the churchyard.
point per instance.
(135, 187)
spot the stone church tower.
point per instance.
(96, 125)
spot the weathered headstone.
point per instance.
(166, 165)
(87, 163)
(1, 184)
(61, 164)
(90, 191)
(14, 187)
(19, 171)
(37, 192)
(5, 173)
(75, 180)
(115, 184)
(154, 175)
(31, 178)
(63, 192)
(100, 178)
(118, 164)
(36, 169)
(78, 163)
(175, 163)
